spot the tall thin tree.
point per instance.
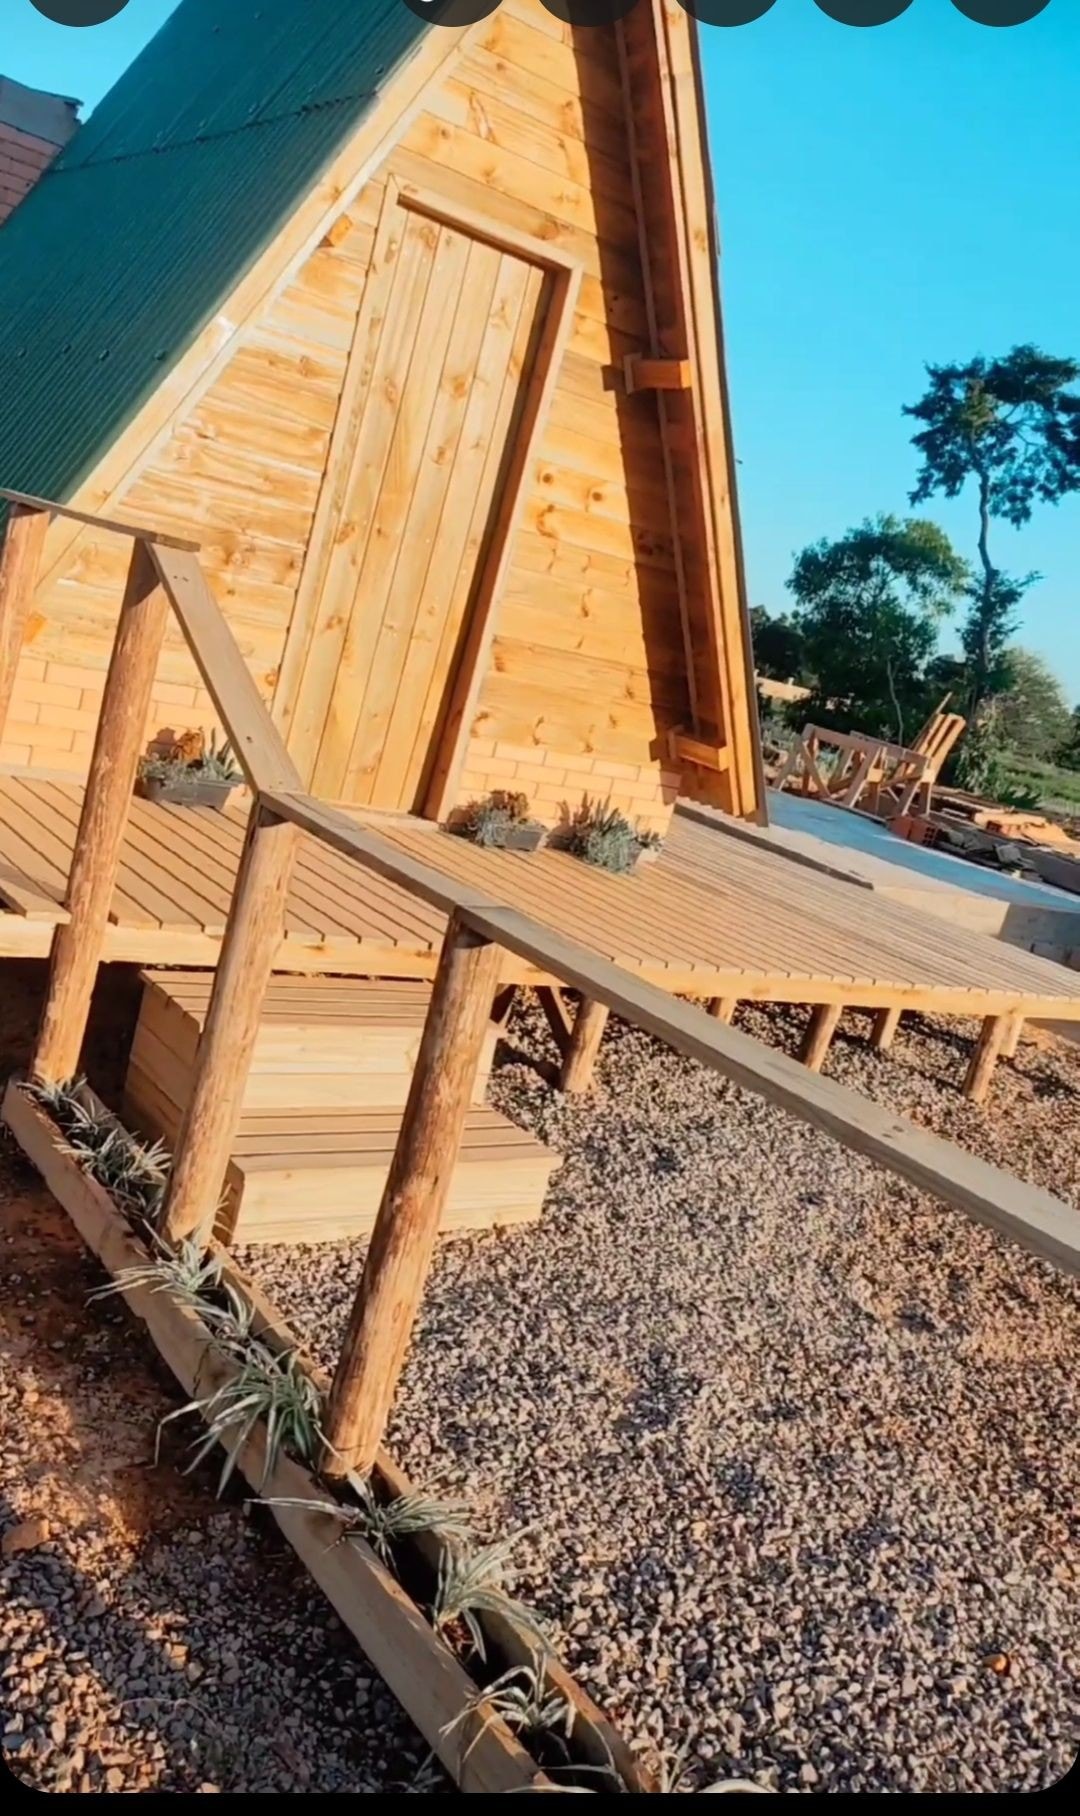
(1013, 426)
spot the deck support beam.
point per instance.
(20, 562)
(722, 1009)
(818, 1037)
(1011, 1042)
(252, 940)
(883, 1032)
(579, 1063)
(78, 944)
(984, 1057)
(550, 998)
(403, 1241)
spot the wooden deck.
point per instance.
(713, 916)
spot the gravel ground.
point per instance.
(799, 1444)
(151, 1637)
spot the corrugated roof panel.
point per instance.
(144, 225)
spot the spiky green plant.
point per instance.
(524, 1700)
(192, 1277)
(56, 1097)
(131, 1172)
(268, 1389)
(383, 1524)
(470, 1583)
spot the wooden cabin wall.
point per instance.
(241, 473)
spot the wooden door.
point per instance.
(446, 343)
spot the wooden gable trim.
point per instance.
(665, 114)
(196, 370)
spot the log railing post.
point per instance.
(20, 560)
(252, 941)
(579, 1063)
(125, 707)
(403, 1240)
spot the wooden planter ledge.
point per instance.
(417, 1665)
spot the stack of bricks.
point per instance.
(558, 782)
(34, 127)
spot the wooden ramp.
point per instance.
(712, 917)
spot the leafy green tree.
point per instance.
(1011, 425)
(778, 645)
(868, 607)
(1068, 752)
(1033, 713)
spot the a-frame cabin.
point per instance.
(416, 330)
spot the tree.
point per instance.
(1013, 426)
(1033, 713)
(778, 645)
(1068, 752)
(868, 607)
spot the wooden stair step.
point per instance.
(323, 1042)
(298, 1177)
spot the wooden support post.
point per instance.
(550, 998)
(579, 1063)
(818, 1038)
(253, 938)
(125, 706)
(20, 560)
(403, 1240)
(1011, 1041)
(501, 1007)
(985, 1056)
(722, 1008)
(883, 1033)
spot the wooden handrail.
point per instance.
(1026, 1213)
(258, 745)
(136, 532)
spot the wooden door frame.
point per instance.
(564, 274)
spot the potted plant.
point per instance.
(189, 773)
(605, 837)
(501, 822)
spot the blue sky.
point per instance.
(887, 197)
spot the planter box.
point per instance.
(417, 1665)
(197, 793)
(523, 838)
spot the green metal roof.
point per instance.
(141, 228)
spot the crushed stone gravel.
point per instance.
(798, 1446)
(152, 1638)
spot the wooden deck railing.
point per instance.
(166, 575)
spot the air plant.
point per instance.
(133, 1173)
(57, 1098)
(268, 1389)
(521, 1698)
(606, 838)
(470, 1583)
(383, 1524)
(191, 1277)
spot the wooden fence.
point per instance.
(165, 574)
